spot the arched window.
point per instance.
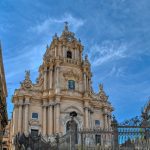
(69, 54)
(71, 84)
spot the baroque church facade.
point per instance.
(63, 85)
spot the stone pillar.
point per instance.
(57, 79)
(86, 118)
(57, 114)
(74, 56)
(20, 115)
(44, 119)
(15, 119)
(109, 121)
(92, 119)
(89, 116)
(50, 78)
(84, 82)
(45, 78)
(50, 119)
(87, 83)
(26, 116)
(57, 111)
(75, 53)
(105, 120)
(55, 51)
(64, 52)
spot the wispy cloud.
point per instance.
(106, 52)
(30, 59)
(46, 25)
(117, 72)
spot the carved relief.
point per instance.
(71, 74)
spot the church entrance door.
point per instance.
(75, 127)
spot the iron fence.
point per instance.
(118, 137)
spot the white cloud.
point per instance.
(46, 25)
(106, 52)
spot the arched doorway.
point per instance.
(75, 127)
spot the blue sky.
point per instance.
(115, 35)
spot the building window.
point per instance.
(71, 84)
(34, 132)
(97, 123)
(69, 54)
(34, 115)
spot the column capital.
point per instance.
(27, 103)
(44, 104)
(50, 69)
(20, 102)
(86, 108)
(57, 98)
(57, 67)
(27, 100)
(27, 97)
(51, 103)
(56, 103)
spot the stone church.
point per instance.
(63, 85)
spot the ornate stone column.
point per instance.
(55, 51)
(20, 115)
(64, 52)
(50, 77)
(84, 76)
(87, 83)
(45, 78)
(50, 118)
(26, 115)
(92, 119)
(57, 79)
(57, 116)
(15, 119)
(109, 120)
(75, 53)
(44, 119)
(89, 118)
(105, 119)
(74, 56)
(86, 117)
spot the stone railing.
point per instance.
(71, 61)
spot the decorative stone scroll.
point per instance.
(102, 94)
(27, 83)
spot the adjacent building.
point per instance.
(3, 95)
(7, 137)
(63, 85)
(146, 114)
